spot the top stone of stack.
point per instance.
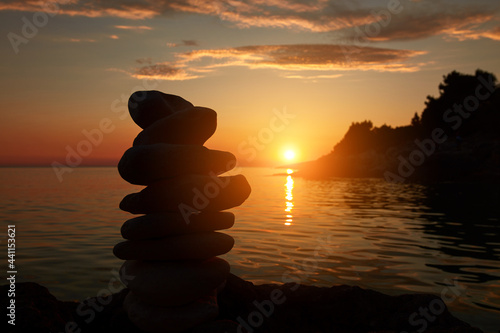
(170, 119)
(147, 107)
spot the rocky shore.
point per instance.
(245, 307)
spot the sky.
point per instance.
(282, 74)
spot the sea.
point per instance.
(393, 238)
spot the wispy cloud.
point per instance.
(76, 40)
(184, 43)
(493, 33)
(312, 77)
(134, 10)
(301, 57)
(417, 22)
(328, 59)
(466, 33)
(143, 61)
(319, 15)
(134, 27)
(162, 71)
(416, 19)
(80, 40)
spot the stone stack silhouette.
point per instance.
(171, 267)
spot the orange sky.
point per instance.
(280, 74)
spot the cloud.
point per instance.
(134, 10)
(465, 33)
(408, 19)
(134, 27)
(492, 33)
(184, 43)
(325, 58)
(313, 77)
(301, 57)
(162, 71)
(318, 16)
(80, 40)
(418, 21)
(142, 61)
(76, 40)
(413, 19)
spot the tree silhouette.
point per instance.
(415, 121)
(356, 140)
(468, 106)
(456, 89)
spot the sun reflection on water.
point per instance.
(289, 197)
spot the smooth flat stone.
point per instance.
(157, 319)
(188, 194)
(193, 127)
(173, 283)
(168, 224)
(143, 165)
(146, 107)
(198, 246)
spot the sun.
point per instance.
(289, 154)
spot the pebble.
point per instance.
(173, 283)
(147, 107)
(197, 246)
(143, 165)
(156, 319)
(190, 127)
(187, 194)
(168, 224)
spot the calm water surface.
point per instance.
(366, 232)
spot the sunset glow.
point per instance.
(289, 155)
(216, 155)
(275, 72)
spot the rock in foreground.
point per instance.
(242, 305)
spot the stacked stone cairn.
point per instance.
(171, 267)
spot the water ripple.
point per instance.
(388, 237)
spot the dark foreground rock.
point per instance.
(245, 307)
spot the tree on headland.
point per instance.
(466, 112)
(356, 140)
(416, 121)
(449, 112)
(461, 99)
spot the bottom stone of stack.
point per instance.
(173, 283)
(156, 319)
